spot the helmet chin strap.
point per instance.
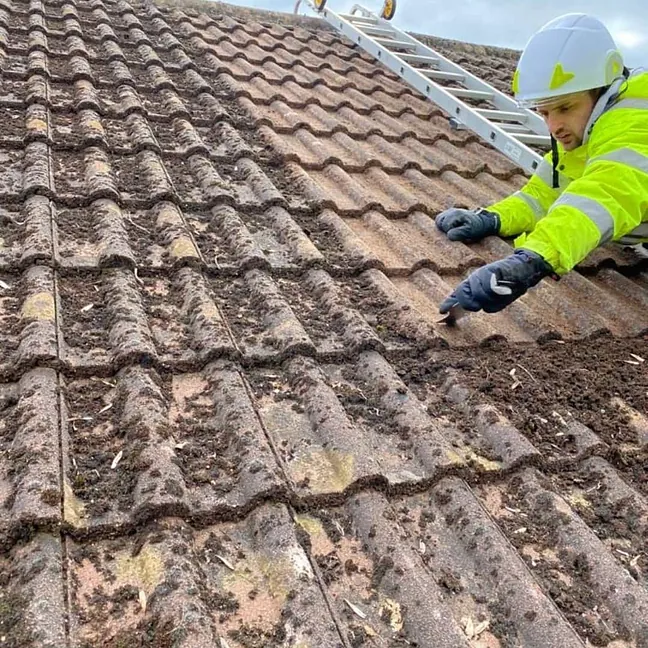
(554, 162)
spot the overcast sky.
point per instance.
(507, 23)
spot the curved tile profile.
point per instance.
(209, 587)
(220, 472)
(30, 479)
(33, 597)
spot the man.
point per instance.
(590, 189)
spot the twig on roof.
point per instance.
(528, 373)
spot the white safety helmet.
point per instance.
(570, 54)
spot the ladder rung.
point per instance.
(510, 127)
(438, 74)
(377, 31)
(418, 58)
(359, 21)
(526, 138)
(501, 115)
(396, 44)
(541, 140)
(470, 94)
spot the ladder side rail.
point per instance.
(516, 151)
(500, 100)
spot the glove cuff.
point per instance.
(491, 221)
(541, 267)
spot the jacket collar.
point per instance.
(605, 102)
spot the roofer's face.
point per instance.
(567, 117)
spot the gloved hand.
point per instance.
(468, 224)
(494, 286)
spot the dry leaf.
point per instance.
(636, 357)
(469, 628)
(520, 530)
(87, 307)
(356, 610)
(480, 627)
(105, 409)
(370, 632)
(4, 285)
(516, 384)
(512, 372)
(142, 600)
(224, 643)
(635, 560)
(226, 562)
(422, 546)
(632, 362)
(179, 446)
(116, 460)
(559, 417)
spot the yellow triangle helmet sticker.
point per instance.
(560, 77)
(516, 82)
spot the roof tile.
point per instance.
(30, 476)
(228, 584)
(172, 471)
(33, 593)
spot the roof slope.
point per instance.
(227, 413)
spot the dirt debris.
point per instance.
(557, 385)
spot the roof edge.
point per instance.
(216, 8)
(465, 46)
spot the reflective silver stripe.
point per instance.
(598, 214)
(636, 104)
(637, 235)
(538, 211)
(545, 173)
(625, 156)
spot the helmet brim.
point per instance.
(543, 102)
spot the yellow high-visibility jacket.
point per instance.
(603, 185)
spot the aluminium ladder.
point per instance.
(507, 127)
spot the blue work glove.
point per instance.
(468, 225)
(494, 286)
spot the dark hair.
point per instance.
(596, 93)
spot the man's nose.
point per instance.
(555, 124)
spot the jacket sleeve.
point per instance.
(608, 201)
(521, 211)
